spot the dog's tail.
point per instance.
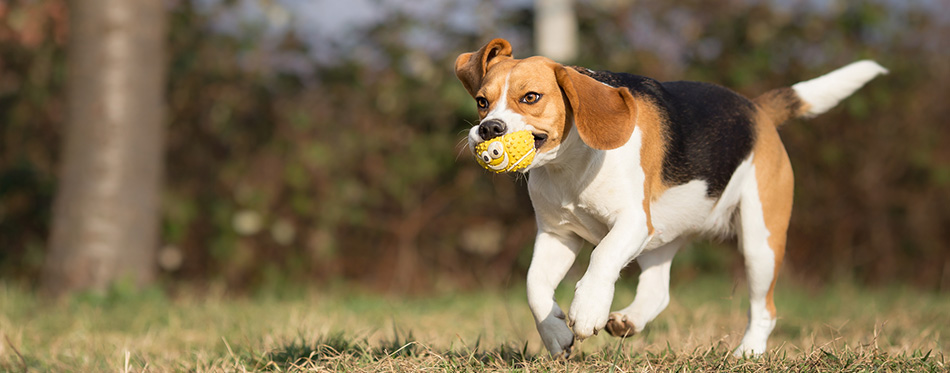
(812, 97)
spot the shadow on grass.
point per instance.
(340, 351)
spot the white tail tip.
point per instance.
(824, 92)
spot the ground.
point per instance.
(832, 328)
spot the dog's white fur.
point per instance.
(826, 91)
(584, 194)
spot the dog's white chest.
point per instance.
(586, 217)
(586, 200)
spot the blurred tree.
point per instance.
(105, 214)
(555, 29)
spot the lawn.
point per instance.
(835, 328)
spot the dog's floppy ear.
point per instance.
(471, 67)
(605, 116)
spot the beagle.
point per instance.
(638, 167)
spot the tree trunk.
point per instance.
(105, 214)
(555, 29)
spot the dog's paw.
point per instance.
(586, 325)
(754, 342)
(557, 337)
(618, 325)
(590, 308)
(749, 350)
(565, 352)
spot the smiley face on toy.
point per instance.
(508, 153)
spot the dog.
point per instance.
(638, 167)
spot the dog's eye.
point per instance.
(531, 97)
(481, 102)
(496, 150)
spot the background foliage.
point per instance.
(285, 168)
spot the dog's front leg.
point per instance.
(552, 258)
(594, 292)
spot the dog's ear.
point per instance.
(471, 67)
(605, 116)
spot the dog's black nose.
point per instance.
(490, 129)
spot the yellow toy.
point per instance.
(511, 152)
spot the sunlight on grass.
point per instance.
(353, 330)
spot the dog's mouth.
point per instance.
(539, 140)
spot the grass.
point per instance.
(837, 328)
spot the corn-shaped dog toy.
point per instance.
(511, 152)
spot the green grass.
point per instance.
(837, 328)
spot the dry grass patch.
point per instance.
(839, 328)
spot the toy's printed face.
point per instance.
(519, 96)
(512, 152)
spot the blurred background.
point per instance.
(288, 142)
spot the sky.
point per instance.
(332, 28)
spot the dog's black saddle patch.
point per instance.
(709, 129)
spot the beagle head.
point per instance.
(544, 97)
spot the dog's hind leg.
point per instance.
(653, 291)
(764, 210)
